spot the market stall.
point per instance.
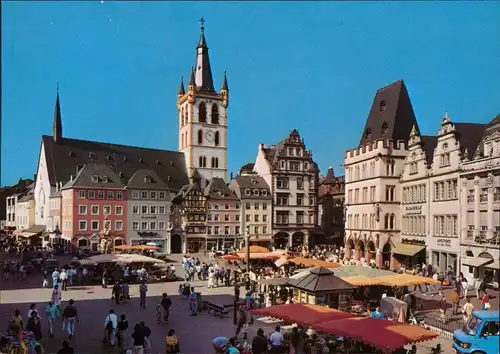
(310, 262)
(394, 309)
(302, 314)
(380, 333)
(322, 287)
(124, 258)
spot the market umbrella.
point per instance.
(231, 257)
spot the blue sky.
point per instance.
(310, 66)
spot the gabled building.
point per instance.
(290, 171)
(149, 199)
(8, 200)
(455, 142)
(480, 207)
(331, 195)
(94, 208)
(62, 158)
(189, 208)
(223, 216)
(372, 172)
(256, 205)
(415, 193)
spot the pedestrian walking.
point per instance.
(53, 314)
(70, 317)
(110, 327)
(143, 290)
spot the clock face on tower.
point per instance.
(210, 136)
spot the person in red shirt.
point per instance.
(485, 302)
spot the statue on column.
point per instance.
(105, 244)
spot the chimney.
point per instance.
(262, 146)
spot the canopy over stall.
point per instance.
(137, 247)
(310, 262)
(382, 334)
(124, 258)
(322, 287)
(303, 314)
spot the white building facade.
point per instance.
(480, 208)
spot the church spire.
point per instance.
(182, 91)
(224, 83)
(57, 127)
(203, 71)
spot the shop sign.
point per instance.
(413, 210)
(82, 234)
(152, 217)
(444, 242)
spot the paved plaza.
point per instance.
(94, 302)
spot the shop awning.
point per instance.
(383, 334)
(26, 234)
(405, 249)
(304, 314)
(476, 262)
(494, 265)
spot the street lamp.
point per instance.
(247, 255)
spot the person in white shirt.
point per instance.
(110, 324)
(64, 280)
(276, 339)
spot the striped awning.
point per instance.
(87, 262)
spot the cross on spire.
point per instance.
(202, 24)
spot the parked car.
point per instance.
(480, 335)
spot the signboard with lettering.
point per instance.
(444, 242)
(413, 210)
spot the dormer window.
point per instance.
(383, 106)
(368, 133)
(385, 128)
(290, 151)
(147, 179)
(264, 193)
(248, 192)
(105, 179)
(95, 178)
(256, 192)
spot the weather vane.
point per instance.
(202, 24)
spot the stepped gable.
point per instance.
(65, 156)
(391, 115)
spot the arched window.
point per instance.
(368, 133)
(182, 117)
(215, 114)
(182, 140)
(213, 162)
(386, 221)
(392, 220)
(216, 139)
(383, 105)
(385, 128)
(204, 161)
(200, 161)
(216, 162)
(200, 136)
(186, 115)
(202, 113)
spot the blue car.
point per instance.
(480, 335)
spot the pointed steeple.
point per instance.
(446, 119)
(192, 83)
(414, 131)
(224, 83)
(57, 127)
(203, 72)
(181, 88)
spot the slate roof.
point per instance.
(95, 175)
(205, 82)
(251, 182)
(469, 136)
(392, 109)
(146, 179)
(218, 189)
(64, 157)
(321, 279)
(428, 144)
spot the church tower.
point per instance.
(203, 119)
